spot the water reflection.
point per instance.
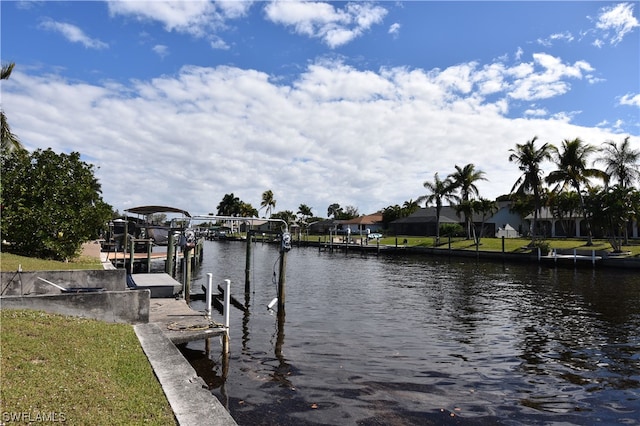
(413, 340)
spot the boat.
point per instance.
(158, 232)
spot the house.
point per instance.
(573, 225)
(358, 225)
(363, 224)
(423, 221)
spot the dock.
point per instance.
(180, 323)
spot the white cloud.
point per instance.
(552, 81)
(630, 99)
(549, 41)
(73, 34)
(335, 134)
(197, 18)
(334, 26)
(394, 29)
(615, 22)
(161, 50)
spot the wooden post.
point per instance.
(132, 249)
(168, 266)
(148, 256)
(282, 281)
(503, 244)
(187, 276)
(247, 267)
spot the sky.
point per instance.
(356, 103)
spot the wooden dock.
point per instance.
(180, 323)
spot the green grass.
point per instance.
(10, 262)
(86, 371)
(512, 245)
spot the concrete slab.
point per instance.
(188, 395)
(160, 284)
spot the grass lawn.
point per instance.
(9, 262)
(512, 245)
(81, 371)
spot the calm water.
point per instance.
(419, 340)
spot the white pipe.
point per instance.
(209, 289)
(55, 285)
(273, 302)
(227, 303)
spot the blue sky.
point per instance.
(356, 103)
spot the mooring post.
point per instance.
(148, 256)
(187, 275)
(247, 267)
(168, 266)
(282, 280)
(209, 291)
(227, 303)
(132, 249)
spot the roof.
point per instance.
(147, 210)
(369, 219)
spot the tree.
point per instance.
(268, 202)
(287, 215)
(572, 171)
(528, 158)
(612, 209)
(439, 190)
(621, 162)
(51, 203)
(305, 213)
(464, 180)
(485, 208)
(247, 210)
(9, 141)
(229, 206)
(334, 210)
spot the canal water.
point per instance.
(415, 340)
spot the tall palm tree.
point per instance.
(528, 158)
(621, 162)
(439, 190)
(572, 171)
(9, 141)
(464, 180)
(268, 202)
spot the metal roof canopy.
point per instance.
(147, 210)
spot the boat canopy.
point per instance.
(147, 210)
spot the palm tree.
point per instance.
(464, 180)
(621, 162)
(334, 210)
(268, 203)
(572, 171)
(438, 190)
(9, 141)
(229, 206)
(485, 208)
(528, 158)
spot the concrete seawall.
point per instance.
(112, 306)
(28, 283)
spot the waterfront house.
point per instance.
(423, 221)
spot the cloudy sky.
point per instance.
(179, 103)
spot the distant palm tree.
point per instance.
(229, 206)
(439, 190)
(334, 210)
(464, 180)
(305, 213)
(572, 171)
(621, 162)
(9, 141)
(528, 158)
(268, 202)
